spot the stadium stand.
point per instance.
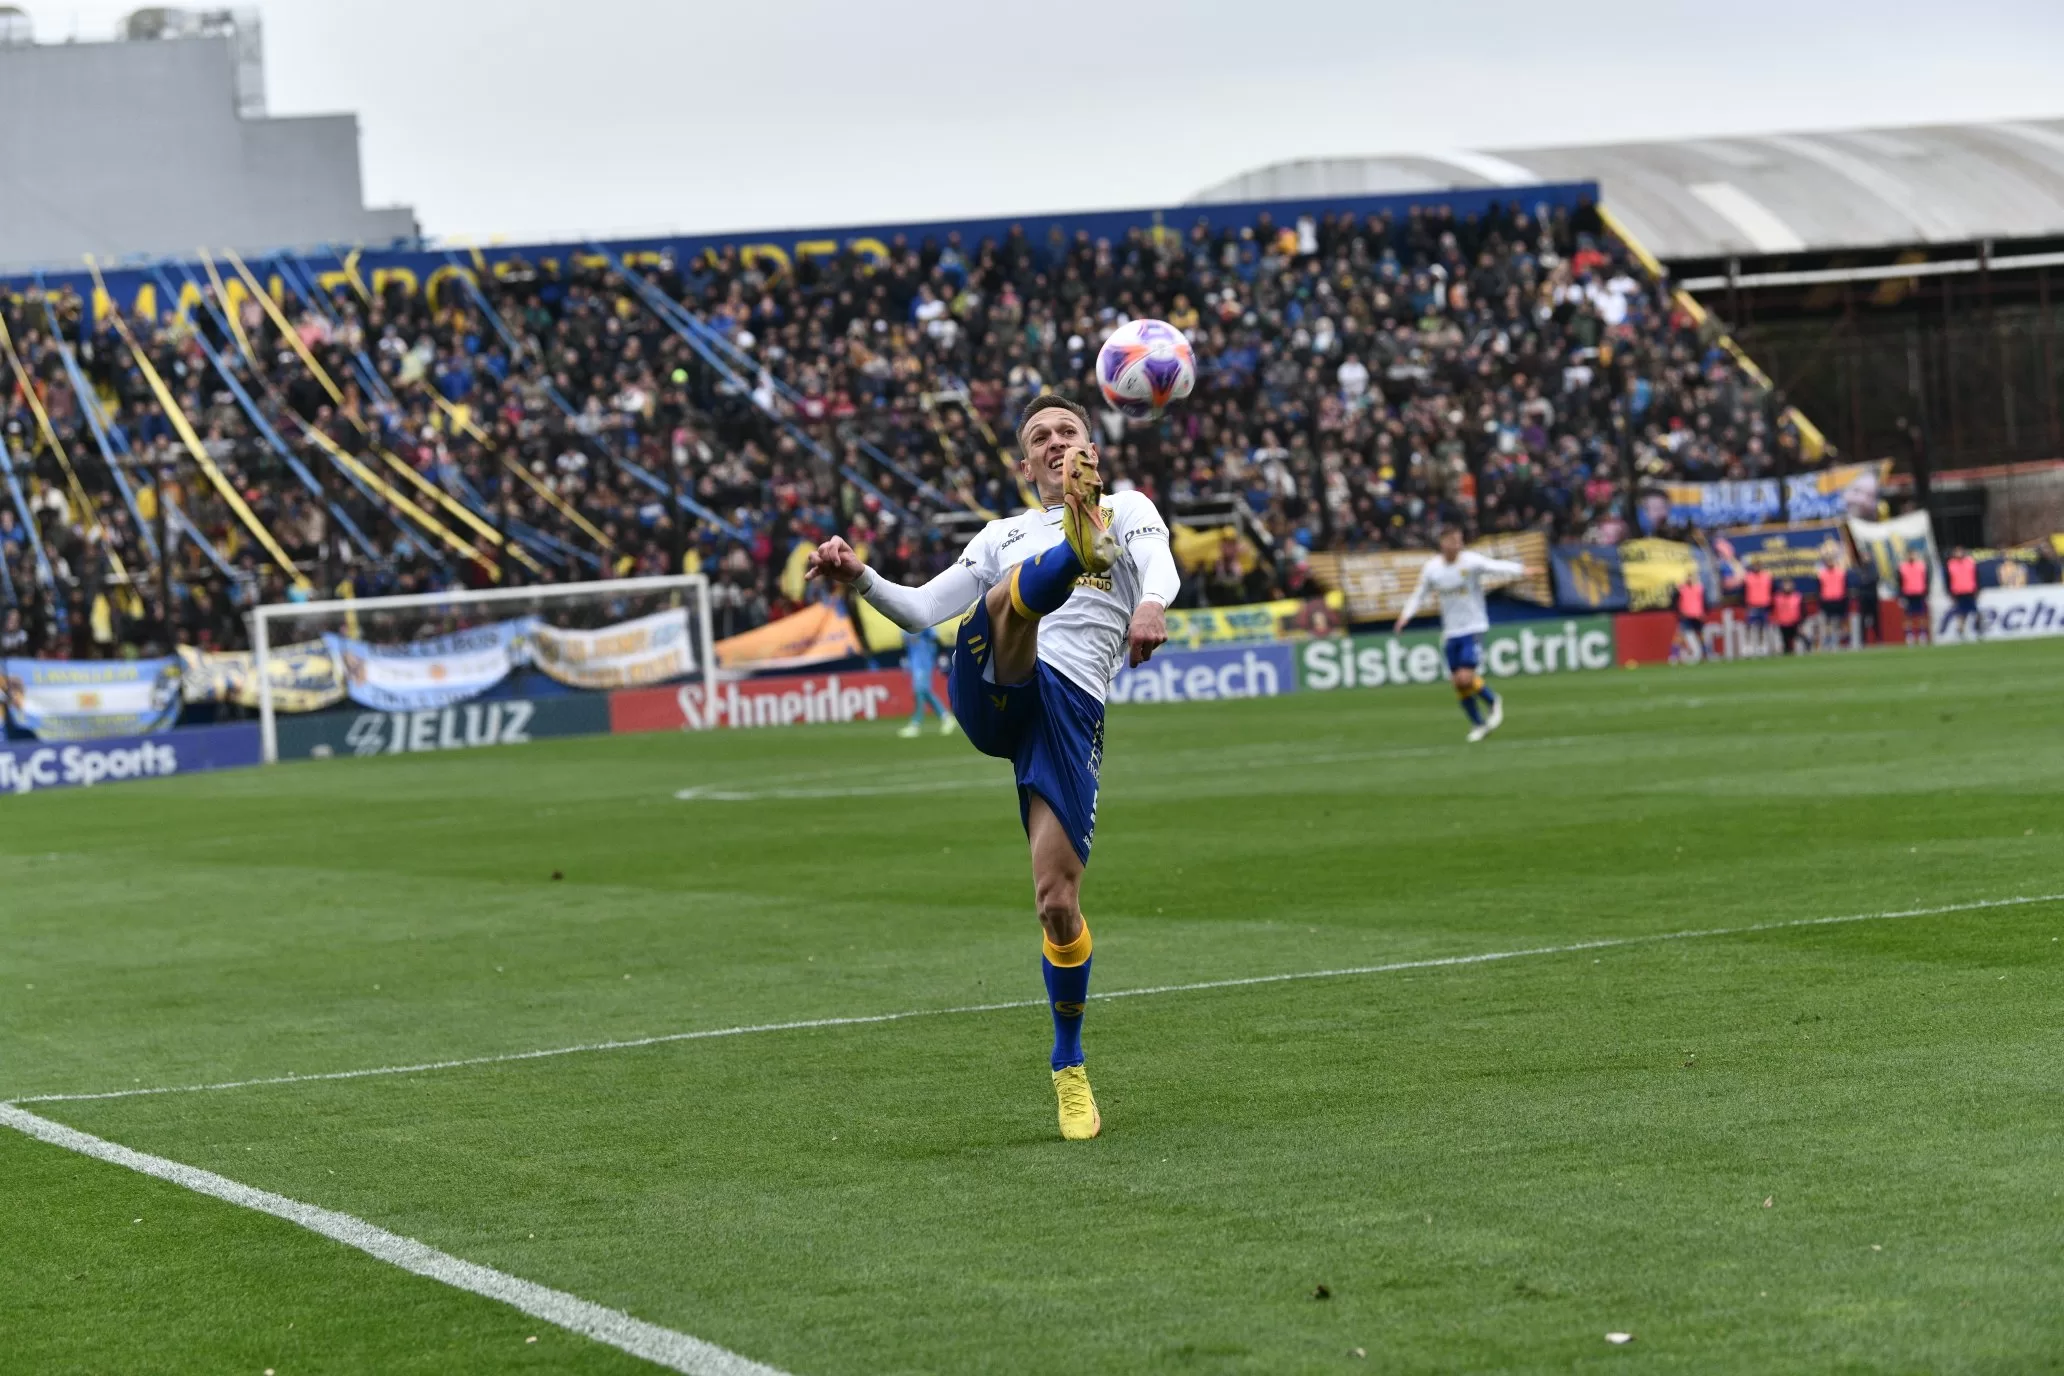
(1362, 379)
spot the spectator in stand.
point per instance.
(1961, 573)
(1833, 579)
(1690, 646)
(1913, 596)
(1788, 610)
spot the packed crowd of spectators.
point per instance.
(1360, 380)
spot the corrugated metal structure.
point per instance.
(139, 148)
(1751, 195)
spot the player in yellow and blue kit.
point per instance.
(1060, 597)
(1456, 575)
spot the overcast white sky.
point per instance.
(540, 118)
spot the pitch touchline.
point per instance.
(678, 1351)
(867, 1019)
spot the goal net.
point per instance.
(378, 675)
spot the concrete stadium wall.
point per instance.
(136, 148)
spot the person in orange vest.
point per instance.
(1913, 596)
(1962, 573)
(1690, 647)
(1833, 576)
(1755, 596)
(1788, 609)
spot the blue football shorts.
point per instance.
(1463, 652)
(1051, 731)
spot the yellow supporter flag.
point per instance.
(1653, 570)
(817, 634)
(1198, 551)
(883, 636)
(1377, 583)
(794, 585)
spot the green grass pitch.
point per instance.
(1827, 1147)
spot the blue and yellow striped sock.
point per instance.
(1066, 969)
(1470, 707)
(1042, 583)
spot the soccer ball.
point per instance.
(1144, 366)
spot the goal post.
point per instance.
(401, 620)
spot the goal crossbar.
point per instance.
(263, 616)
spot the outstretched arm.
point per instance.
(1412, 603)
(913, 609)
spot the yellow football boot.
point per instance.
(1080, 1120)
(1083, 518)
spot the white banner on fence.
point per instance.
(631, 654)
(1884, 544)
(2008, 614)
(422, 674)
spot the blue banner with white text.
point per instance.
(1848, 491)
(32, 766)
(1784, 552)
(1259, 671)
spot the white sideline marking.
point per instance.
(713, 794)
(866, 1019)
(797, 786)
(677, 1351)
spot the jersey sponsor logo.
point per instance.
(1100, 581)
(1138, 531)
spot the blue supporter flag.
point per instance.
(1589, 577)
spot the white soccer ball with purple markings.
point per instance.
(1144, 367)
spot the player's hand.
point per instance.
(1149, 633)
(1399, 628)
(835, 560)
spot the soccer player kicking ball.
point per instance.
(1060, 595)
(1457, 574)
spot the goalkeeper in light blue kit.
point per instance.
(1457, 576)
(921, 658)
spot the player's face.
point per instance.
(1046, 440)
(1451, 545)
